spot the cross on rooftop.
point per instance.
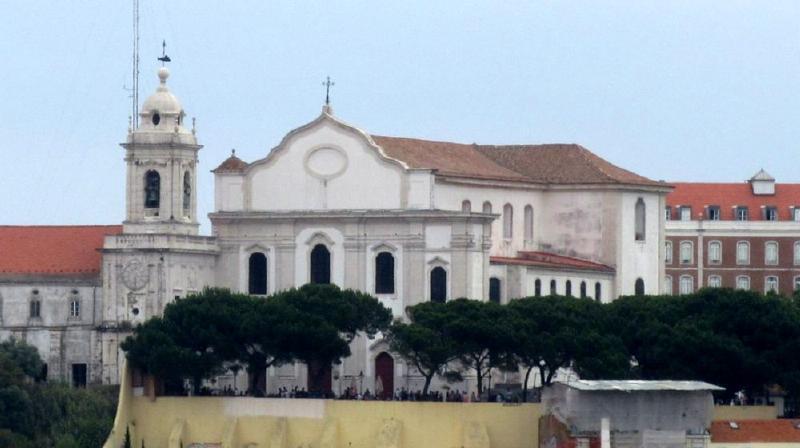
(328, 84)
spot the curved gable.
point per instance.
(319, 165)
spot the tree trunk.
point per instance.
(525, 385)
(257, 380)
(428, 379)
(479, 378)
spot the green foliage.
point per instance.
(201, 335)
(424, 341)
(38, 414)
(740, 340)
(24, 356)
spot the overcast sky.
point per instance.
(675, 90)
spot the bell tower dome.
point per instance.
(161, 157)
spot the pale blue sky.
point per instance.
(676, 90)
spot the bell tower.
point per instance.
(161, 158)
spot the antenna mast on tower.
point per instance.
(135, 74)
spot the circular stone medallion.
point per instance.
(326, 162)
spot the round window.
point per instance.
(156, 119)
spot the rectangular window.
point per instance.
(771, 253)
(668, 252)
(714, 281)
(742, 252)
(742, 214)
(668, 213)
(797, 283)
(771, 284)
(75, 308)
(713, 213)
(771, 213)
(715, 252)
(796, 213)
(686, 213)
(743, 282)
(668, 285)
(36, 308)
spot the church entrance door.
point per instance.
(319, 379)
(384, 375)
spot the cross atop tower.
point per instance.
(164, 58)
(328, 84)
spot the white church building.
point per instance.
(406, 220)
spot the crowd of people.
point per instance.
(352, 393)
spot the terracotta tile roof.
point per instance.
(232, 164)
(755, 431)
(52, 250)
(553, 163)
(729, 195)
(552, 261)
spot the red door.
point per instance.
(384, 375)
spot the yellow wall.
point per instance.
(745, 413)
(241, 421)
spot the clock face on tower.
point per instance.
(135, 275)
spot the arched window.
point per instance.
(528, 224)
(715, 252)
(797, 251)
(687, 252)
(552, 287)
(438, 284)
(508, 221)
(257, 274)
(569, 288)
(36, 308)
(668, 285)
(668, 252)
(152, 189)
(771, 253)
(466, 206)
(640, 220)
(771, 284)
(686, 284)
(714, 281)
(583, 290)
(487, 208)
(638, 288)
(494, 290)
(187, 192)
(384, 273)
(743, 282)
(597, 292)
(320, 265)
(537, 288)
(742, 252)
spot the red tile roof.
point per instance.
(729, 195)
(52, 250)
(552, 261)
(755, 431)
(545, 164)
(232, 164)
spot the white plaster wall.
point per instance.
(640, 258)
(365, 180)
(228, 192)
(450, 196)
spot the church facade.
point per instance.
(406, 220)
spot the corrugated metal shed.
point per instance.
(640, 385)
